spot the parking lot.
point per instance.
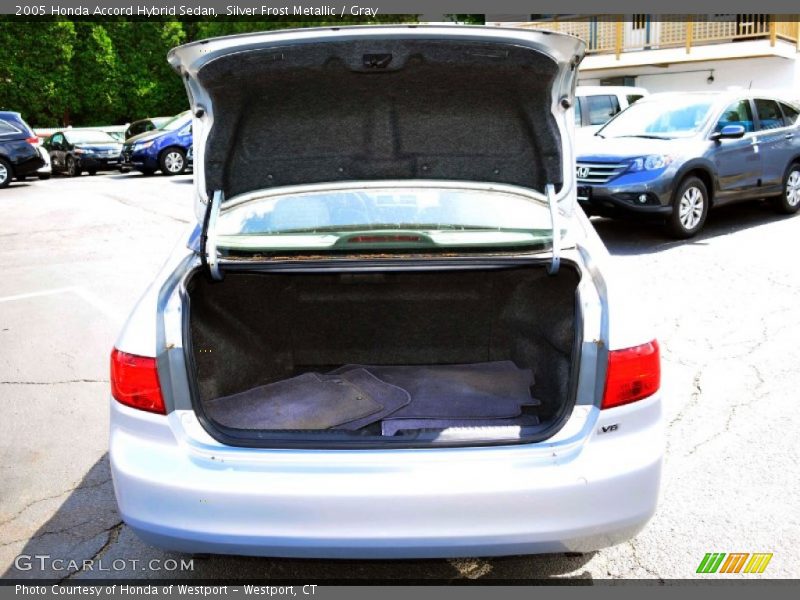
(76, 254)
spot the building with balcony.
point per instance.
(680, 52)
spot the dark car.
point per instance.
(677, 155)
(76, 151)
(145, 125)
(19, 155)
(167, 149)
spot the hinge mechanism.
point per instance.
(208, 237)
(555, 263)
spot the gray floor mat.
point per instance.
(392, 426)
(473, 391)
(309, 401)
(390, 396)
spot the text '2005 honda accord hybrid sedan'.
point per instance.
(392, 333)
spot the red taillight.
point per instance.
(633, 374)
(134, 382)
(33, 140)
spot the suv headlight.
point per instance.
(650, 163)
(142, 145)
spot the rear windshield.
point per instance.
(440, 216)
(13, 128)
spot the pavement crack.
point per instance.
(113, 535)
(21, 511)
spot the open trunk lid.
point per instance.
(343, 106)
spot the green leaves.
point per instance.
(85, 72)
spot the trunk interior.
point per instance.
(476, 354)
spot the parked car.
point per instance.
(165, 149)
(355, 230)
(19, 153)
(675, 156)
(596, 104)
(145, 125)
(78, 150)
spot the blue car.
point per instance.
(167, 149)
(675, 156)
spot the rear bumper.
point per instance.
(595, 492)
(28, 165)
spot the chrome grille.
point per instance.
(598, 172)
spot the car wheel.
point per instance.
(44, 176)
(689, 208)
(173, 161)
(789, 201)
(72, 168)
(147, 172)
(6, 174)
(92, 173)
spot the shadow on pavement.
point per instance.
(631, 236)
(87, 527)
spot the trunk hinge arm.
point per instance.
(555, 263)
(208, 238)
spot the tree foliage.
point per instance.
(86, 72)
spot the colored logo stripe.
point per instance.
(712, 562)
(757, 563)
(734, 562)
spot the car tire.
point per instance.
(789, 200)
(92, 173)
(173, 161)
(6, 173)
(72, 168)
(148, 172)
(689, 208)
(21, 178)
(44, 176)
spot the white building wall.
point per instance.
(767, 73)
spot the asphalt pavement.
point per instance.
(75, 255)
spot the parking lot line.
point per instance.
(82, 293)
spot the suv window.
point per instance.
(601, 108)
(769, 114)
(738, 113)
(790, 114)
(7, 128)
(57, 140)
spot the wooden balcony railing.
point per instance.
(615, 34)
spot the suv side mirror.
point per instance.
(729, 132)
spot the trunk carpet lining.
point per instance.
(355, 396)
